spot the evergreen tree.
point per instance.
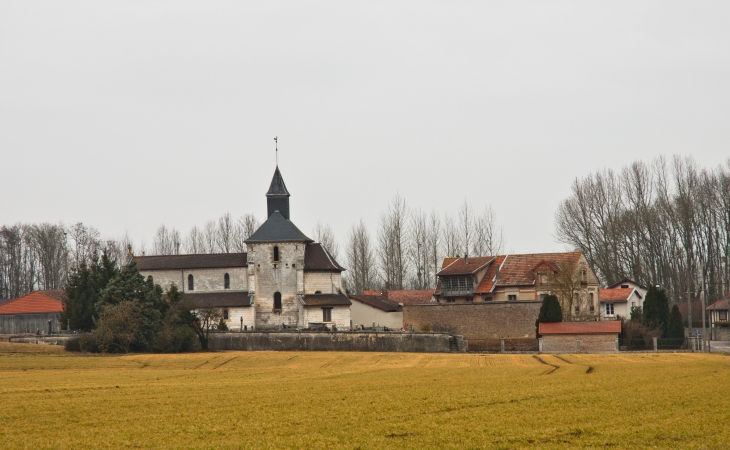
(656, 310)
(83, 291)
(130, 285)
(675, 327)
(550, 311)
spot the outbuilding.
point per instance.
(579, 337)
(33, 313)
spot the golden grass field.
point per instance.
(53, 399)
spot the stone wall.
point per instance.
(482, 320)
(579, 343)
(363, 342)
(324, 282)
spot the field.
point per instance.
(52, 399)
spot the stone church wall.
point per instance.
(276, 276)
(324, 282)
(205, 280)
(340, 316)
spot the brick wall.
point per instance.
(589, 343)
(488, 320)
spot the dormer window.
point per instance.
(276, 253)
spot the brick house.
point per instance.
(525, 277)
(284, 278)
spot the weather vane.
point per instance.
(276, 142)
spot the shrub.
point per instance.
(222, 325)
(425, 327)
(73, 345)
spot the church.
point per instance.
(284, 279)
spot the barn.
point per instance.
(34, 313)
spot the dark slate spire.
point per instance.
(277, 199)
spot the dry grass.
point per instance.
(51, 399)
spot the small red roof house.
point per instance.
(617, 302)
(32, 313)
(579, 337)
(719, 312)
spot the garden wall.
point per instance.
(479, 320)
(337, 341)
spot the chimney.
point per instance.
(496, 276)
(466, 259)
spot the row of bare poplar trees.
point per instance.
(40, 256)
(409, 245)
(665, 223)
(405, 252)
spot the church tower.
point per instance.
(276, 254)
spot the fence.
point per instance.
(503, 345)
(640, 344)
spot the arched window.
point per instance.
(225, 314)
(317, 292)
(276, 253)
(191, 283)
(277, 300)
(226, 281)
(583, 276)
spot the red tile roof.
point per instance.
(519, 269)
(460, 267)
(723, 303)
(487, 282)
(603, 327)
(405, 296)
(615, 295)
(34, 303)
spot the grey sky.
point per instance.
(127, 115)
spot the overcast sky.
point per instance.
(128, 115)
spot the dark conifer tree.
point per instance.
(656, 310)
(675, 327)
(550, 311)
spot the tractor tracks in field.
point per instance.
(542, 361)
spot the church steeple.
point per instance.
(277, 199)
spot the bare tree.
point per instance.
(662, 223)
(226, 233)
(324, 235)
(166, 242)
(393, 244)
(451, 238)
(194, 243)
(418, 250)
(210, 238)
(361, 274)
(488, 236)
